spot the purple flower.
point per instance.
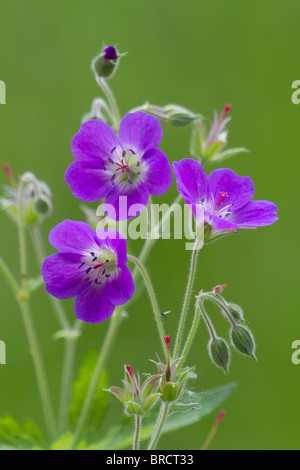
(223, 196)
(91, 266)
(109, 167)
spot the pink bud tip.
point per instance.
(167, 341)
(7, 170)
(220, 417)
(218, 289)
(226, 110)
(129, 370)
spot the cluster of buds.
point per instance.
(209, 143)
(171, 385)
(36, 198)
(137, 398)
(105, 64)
(166, 385)
(241, 337)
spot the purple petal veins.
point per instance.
(108, 167)
(224, 197)
(91, 267)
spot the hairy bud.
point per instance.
(243, 341)
(219, 353)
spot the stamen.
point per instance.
(223, 195)
(123, 153)
(111, 160)
(132, 151)
(94, 259)
(80, 266)
(113, 150)
(88, 270)
(87, 278)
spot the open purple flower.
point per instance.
(109, 167)
(91, 266)
(223, 196)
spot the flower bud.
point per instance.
(236, 311)
(179, 116)
(106, 63)
(243, 341)
(37, 198)
(219, 353)
(170, 391)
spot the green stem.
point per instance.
(9, 277)
(137, 432)
(186, 297)
(111, 100)
(66, 382)
(39, 368)
(207, 321)
(102, 359)
(190, 337)
(29, 325)
(159, 425)
(151, 293)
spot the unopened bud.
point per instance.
(105, 64)
(219, 353)
(243, 341)
(179, 116)
(236, 311)
(219, 288)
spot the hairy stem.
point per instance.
(156, 310)
(111, 100)
(158, 426)
(137, 432)
(186, 298)
(190, 337)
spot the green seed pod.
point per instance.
(179, 116)
(243, 341)
(219, 353)
(236, 311)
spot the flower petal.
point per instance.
(219, 224)
(93, 305)
(157, 172)
(255, 214)
(240, 189)
(120, 287)
(115, 242)
(88, 184)
(62, 275)
(124, 196)
(192, 182)
(73, 237)
(95, 140)
(140, 132)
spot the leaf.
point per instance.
(99, 403)
(24, 437)
(34, 283)
(191, 409)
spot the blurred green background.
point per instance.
(200, 54)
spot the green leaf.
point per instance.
(25, 437)
(34, 283)
(99, 403)
(191, 408)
